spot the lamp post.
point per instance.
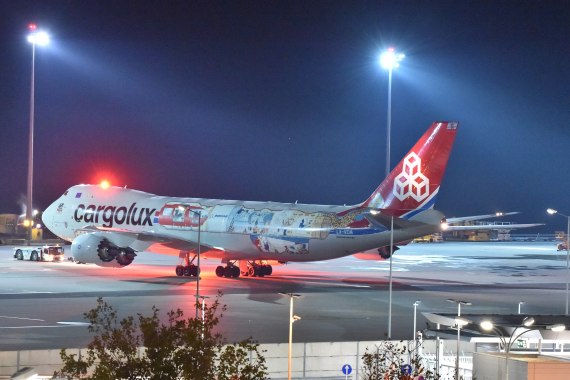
(520, 304)
(390, 60)
(416, 304)
(459, 322)
(35, 37)
(390, 279)
(292, 319)
(526, 323)
(203, 312)
(199, 213)
(552, 211)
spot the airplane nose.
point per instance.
(47, 216)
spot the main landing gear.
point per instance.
(230, 270)
(246, 268)
(188, 269)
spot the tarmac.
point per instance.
(42, 304)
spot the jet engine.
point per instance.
(95, 248)
(384, 252)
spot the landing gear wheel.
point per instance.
(268, 270)
(187, 271)
(19, 255)
(193, 270)
(220, 271)
(34, 256)
(179, 270)
(235, 272)
(251, 271)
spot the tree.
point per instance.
(145, 348)
(388, 363)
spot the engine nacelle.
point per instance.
(384, 252)
(95, 248)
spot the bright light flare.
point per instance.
(38, 38)
(551, 211)
(528, 321)
(105, 184)
(558, 327)
(487, 325)
(390, 59)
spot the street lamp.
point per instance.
(416, 304)
(488, 325)
(458, 322)
(292, 319)
(390, 60)
(199, 213)
(40, 38)
(552, 211)
(390, 278)
(203, 311)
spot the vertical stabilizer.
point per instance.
(413, 184)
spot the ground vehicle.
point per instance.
(37, 253)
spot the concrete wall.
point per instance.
(492, 366)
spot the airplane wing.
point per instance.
(479, 217)
(491, 226)
(140, 241)
(451, 223)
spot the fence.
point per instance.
(316, 360)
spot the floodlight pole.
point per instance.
(416, 303)
(552, 212)
(199, 213)
(31, 148)
(389, 60)
(292, 319)
(35, 37)
(459, 303)
(390, 279)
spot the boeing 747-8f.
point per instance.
(108, 226)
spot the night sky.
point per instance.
(285, 100)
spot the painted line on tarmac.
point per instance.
(38, 327)
(27, 319)
(75, 323)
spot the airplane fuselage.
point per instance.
(231, 230)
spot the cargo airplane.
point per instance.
(109, 225)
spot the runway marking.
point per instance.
(27, 319)
(25, 292)
(336, 284)
(37, 327)
(75, 323)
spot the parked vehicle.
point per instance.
(39, 253)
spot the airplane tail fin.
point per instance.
(413, 184)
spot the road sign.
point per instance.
(346, 369)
